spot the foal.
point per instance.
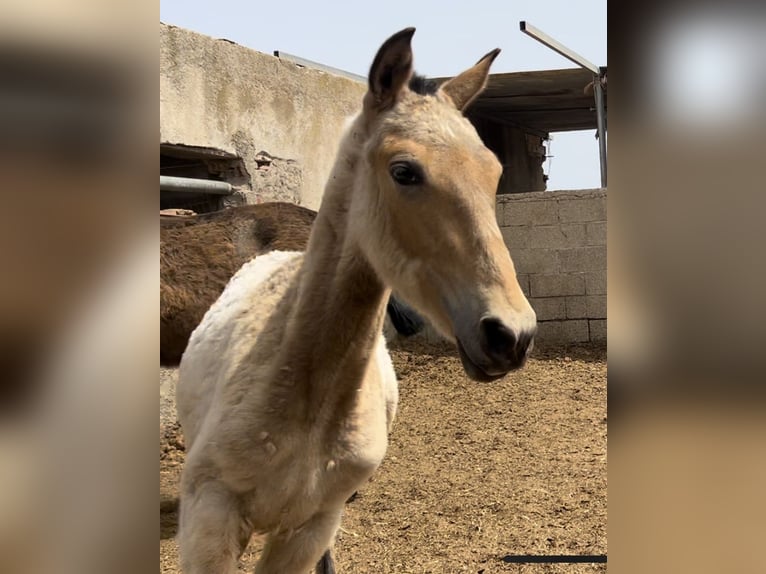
(286, 391)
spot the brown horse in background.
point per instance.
(200, 253)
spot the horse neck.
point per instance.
(340, 305)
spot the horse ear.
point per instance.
(391, 69)
(464, 88)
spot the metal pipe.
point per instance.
(598, 94)
(191, 185)
(316, 65)
(556, 46)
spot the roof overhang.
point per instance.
(543, 101)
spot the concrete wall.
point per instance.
(214, 93)
(557, 240)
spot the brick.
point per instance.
(586, 307)
(597, 330)
(517, 237)
(563, 331)
(555, 236)
(583, 259)
(595, 282)
(591, 209)
(549, 308)
(499, 211)
(556, 285)
(577, 307)
(523, 283)
(545, 236)
(596, 306)
(595, 233)
(543, 212)
(535, 260)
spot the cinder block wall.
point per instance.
(557, 240)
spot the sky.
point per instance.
(450, 37)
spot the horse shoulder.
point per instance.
(226, 334)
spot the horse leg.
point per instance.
(326, 564)
(212, 530)
(405, 319)
(297, 551)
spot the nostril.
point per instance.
(497, 339)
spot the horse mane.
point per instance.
(422, 85)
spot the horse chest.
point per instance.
(286, 495)
(338, 461)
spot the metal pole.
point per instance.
(191, 185)
(316, 65)
(598, 93)
(556, 46)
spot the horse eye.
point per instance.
(405, 173)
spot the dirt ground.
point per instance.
(474, 472)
